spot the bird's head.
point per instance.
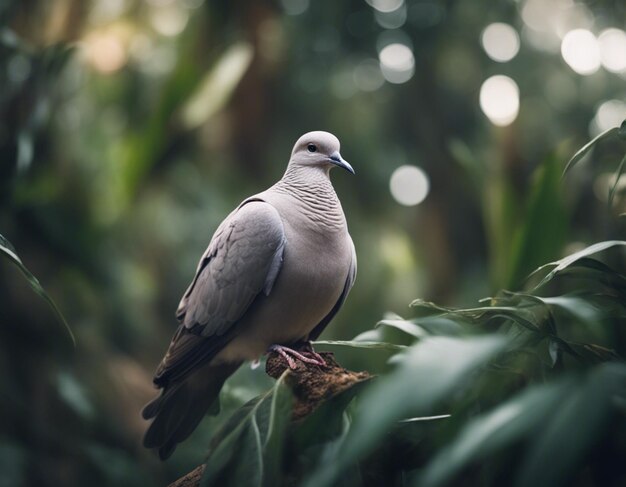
(318, 149)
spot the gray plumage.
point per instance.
(276, 271)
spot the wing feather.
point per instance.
(242, 261)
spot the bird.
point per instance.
(275, 273)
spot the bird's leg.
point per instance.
(289, 353)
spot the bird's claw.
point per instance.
(289, 354)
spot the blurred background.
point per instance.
(130, 128)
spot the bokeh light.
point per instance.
(409, 185)
(295, 7)
(499, 100)
(581, 51)
(610, 113)
(385, 6)
(105, 52)
(613, 50)
(392, 20)
(169, 20)
(500, 41)
(397, 63)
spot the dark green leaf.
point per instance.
(326, 422)
(511, 421)
(248, 448)
(8, 251)
(565, 262)
(278, 421)
(545, 215)
(618, 174)
(427, 372)
(559, 448)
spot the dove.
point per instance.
(275, 273)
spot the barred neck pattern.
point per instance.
(314, 193)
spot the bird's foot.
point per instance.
(289, 354)
(307, 349)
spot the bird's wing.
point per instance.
(317, 331)
(242, 261)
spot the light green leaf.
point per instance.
(360, 344)
(8, 251)
(607, 134)
(406, 326)
(424, 418)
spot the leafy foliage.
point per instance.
(472, 379)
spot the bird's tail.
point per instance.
(180, 407)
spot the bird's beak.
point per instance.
(337, 160)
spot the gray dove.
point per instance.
(275, 273)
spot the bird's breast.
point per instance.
(311, 280)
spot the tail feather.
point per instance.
(179, 408)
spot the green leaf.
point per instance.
(405, 326)
(426, 374)
(565, 262)
(558, 449)
(8, 251)
(427, 306)
(545, 216)
(278, 421)
(425, 418)
(607, 134)
(596, 271)
(360, 344)
(326, 422)
(576, 306)
(248, 448)
(618, 175)
(481, 437)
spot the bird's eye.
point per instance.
(311, 148)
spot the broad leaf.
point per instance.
(481, 437)
(559, 448)
(427, 373)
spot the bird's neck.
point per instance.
(313, 193)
